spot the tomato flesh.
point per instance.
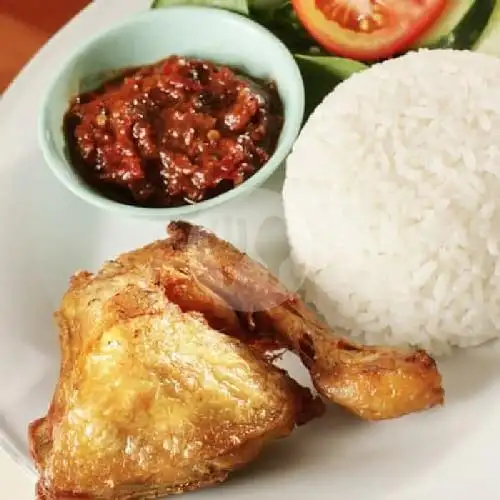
(368, 30)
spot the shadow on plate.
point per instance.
(468, 372)
(291, 453)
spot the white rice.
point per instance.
(392, 201)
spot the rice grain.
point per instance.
(392, 201)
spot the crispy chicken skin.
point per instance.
(373, 382)
(151, 400)
(165, 384)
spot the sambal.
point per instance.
(175, 132)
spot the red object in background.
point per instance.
(25, 25)
(368, 30)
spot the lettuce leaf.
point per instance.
(321, 74)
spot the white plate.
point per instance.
(47, 234)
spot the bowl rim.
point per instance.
(89, 195)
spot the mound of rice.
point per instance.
(392, 202)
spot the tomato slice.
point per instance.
(368, 30)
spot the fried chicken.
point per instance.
(373, 382)
(166, 382)
(152, 400)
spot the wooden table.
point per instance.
(25, 25)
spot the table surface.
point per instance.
(29, 23)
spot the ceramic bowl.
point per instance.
(206, 33)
